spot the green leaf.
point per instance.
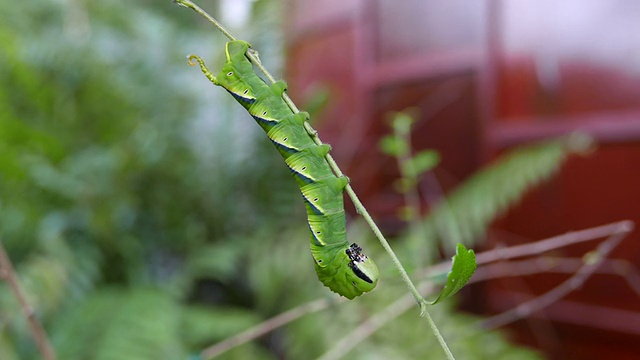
(462, 268)
(392, 146)
(120, 323)
(422, 162)
(470, 208)
(401, 123)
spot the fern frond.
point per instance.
(466, 213)
(116, 324)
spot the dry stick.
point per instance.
(591, 262)
(560, 265)
(265, 327)
(618, 267)
(570, 238)
(37, 331)
(542, 246)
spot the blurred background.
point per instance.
(148, 217)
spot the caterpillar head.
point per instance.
(365, 271)
(234, 73)
(345, 269)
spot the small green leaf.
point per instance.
(423, 162)
(402, 123)
(390, 145)
(462, 268)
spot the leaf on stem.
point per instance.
(392, 146)
(462, 268)
(421, 163)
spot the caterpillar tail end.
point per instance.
(345, 271)
(197, 60)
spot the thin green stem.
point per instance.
(409, 176)
(266, 327)
(436, 332)
(189, 5)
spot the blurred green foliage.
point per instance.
(118, 219)
(464, 215)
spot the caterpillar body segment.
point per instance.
(327, 229)
(270, 109)
(341, 267)
(325, 195)
(289, 135)
(307, 164)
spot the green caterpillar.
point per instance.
(341, 267)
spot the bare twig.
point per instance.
(266, 327)
(591, 263)
(538, 247)
(37, 331)
(542, 246)
(623, 268)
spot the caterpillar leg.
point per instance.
(197, 60)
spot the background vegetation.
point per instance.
(146, 217)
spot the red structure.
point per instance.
(486, 76)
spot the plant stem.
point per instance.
(436, 332)
(37, 331)
(409, 176)
(265, 327)
(369, 326)
(189, 5)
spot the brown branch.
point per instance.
(541, 246)
(266, 327)
(591, 262)
(574, 237)
(623, 268)
(37, 331)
